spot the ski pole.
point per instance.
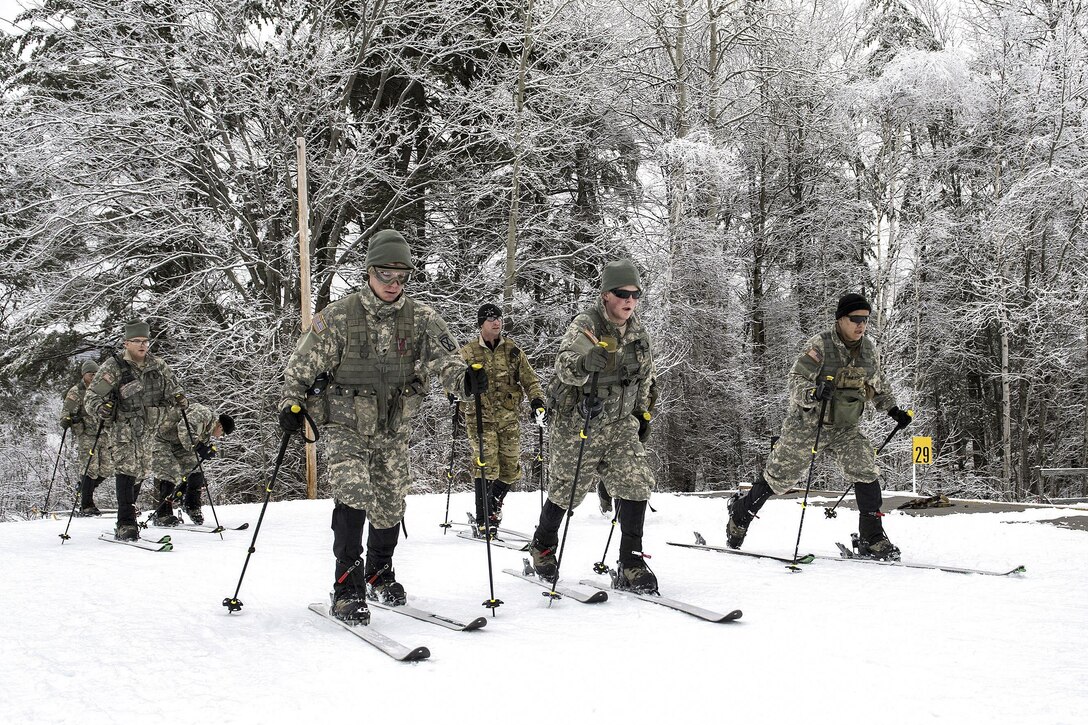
(808, 484)
(49, 489)
(831, 513)
(601, 567)
(540, 463)
(233, 604)
(491, 603)
(86, 469)
(590, 402)
(449, 471)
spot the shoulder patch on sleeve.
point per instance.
(318, 324)
(447, 342)
(815, 354)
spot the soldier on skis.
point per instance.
(377, 349)
(83, 429)
(606, 345)
(846, 356)
(131, 394)
(510, 380)
(179, 445)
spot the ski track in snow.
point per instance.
(94, 633)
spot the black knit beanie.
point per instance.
(851, 303)
(487, 310)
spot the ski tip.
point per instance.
(598, 597)
(806, 559)
(732, 616)
(167, 547)
(478, 623)
(417, 655)
(243, 527)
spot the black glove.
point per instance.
(823, 390)
(180, 400)
(590, 406)
(539, 412)
(291, 420)
(105, 411)
(204, 451)
(66, 422)
(475, 380)
(643, 425)
(594, 360)
(902, 417)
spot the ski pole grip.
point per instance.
(296, 408)
(646, 416)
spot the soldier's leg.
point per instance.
(126, 510)
(349, 584)
(509, 463)
(855, 456)
(625, 472)
(191, 497)
(389, 483)
(164, 512)
(380, 544)
(87, 485)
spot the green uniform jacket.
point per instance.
(510, 379)
(857, 374)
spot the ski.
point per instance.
(373, 637)
(846, 554)
(804, 559)
(562, 590)
(161, 545)
(509, 532)
(700, 612)
(431, 617)
(203, 529)
(515, 544)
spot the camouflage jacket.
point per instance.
(145, 392)
(325, 345)
(510, 379)
(72, 409)
(857, 373)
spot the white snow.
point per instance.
(94, 632)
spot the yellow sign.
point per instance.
(923, 450)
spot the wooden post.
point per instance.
(307, 313)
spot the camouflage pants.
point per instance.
(369, 473)
(101, 463)
(613, 452)
(171, 461)
(502, 448)
(132, 444)
(849, 449)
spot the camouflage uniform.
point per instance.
(510, 378)
(83, 430)
(858, 378)
(380, 357)
(613, 450)
(141, 396)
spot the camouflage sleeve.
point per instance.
(574, 345)
(441, 356)
(880, 391)
(72, 408)
(102, 388)
(317, 351)
(530, 383)
(170, 383)
(802, 377)
(647, 389)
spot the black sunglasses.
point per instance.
(858, 319)
(625, 294)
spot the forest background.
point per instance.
(756, 158)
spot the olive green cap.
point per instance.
(387, 249)
(620, 273)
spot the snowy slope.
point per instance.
(99, 633)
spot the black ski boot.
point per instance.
(742, 509)
(632, 573)
(87, 485)
(604, 500)
(349, 595)
(499, 489)
(871, 542)
(381, 581)
(349, 588)
(127, 529)
(191, 499)
(164, 514)
(545, 540)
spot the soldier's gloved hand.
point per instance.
(824, 390)
(475, 380)
(540, 412)
(594, 360)
(180, 400)
(291, 418)
(590, 407)
(105, 411)
(452, 398)
(66, 422)
(902, 417)
(206, 451)
(643, 424)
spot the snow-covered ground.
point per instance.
(93, 632)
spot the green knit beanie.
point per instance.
(137, 328)
(388, 248)
(88, 366)
(619, 274)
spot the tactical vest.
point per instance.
(499, 384)
(851, 373)
(362, 371)
(617, 384)
(139, 390)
